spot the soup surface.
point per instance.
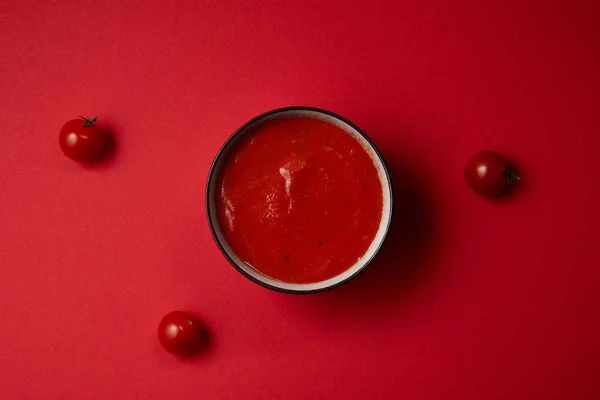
(299, 200)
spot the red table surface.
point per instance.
(469, 299)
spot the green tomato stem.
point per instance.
(511, 176)
(89, 121)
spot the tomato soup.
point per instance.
(298, 199)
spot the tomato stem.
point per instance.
(89, 121)
(511, 176)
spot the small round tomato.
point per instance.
(81, 139)
(487, 173)
(179, 333)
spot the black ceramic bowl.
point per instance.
(386, 188)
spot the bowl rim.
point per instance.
(211, 174)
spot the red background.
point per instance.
(469, 299)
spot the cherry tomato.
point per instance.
(82, 140)
(179, 333)
(487, 173)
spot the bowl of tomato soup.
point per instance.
(299, 200)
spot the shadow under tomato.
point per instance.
(110, 150)
(513, 191)
(204, 347)
(401, 268)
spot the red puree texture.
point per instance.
(300, 200)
